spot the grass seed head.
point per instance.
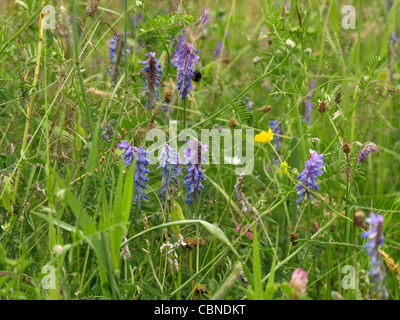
(346, 148)
(233, 123)
(266, 109)
(322, 106)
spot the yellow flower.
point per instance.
(264, 137)
(284, 167)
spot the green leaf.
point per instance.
(5, 200)
(176, 215)
(257, 265)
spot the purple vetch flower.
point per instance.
(308, 105)
(140, 178)
(194, 156)
(129, 151)
(178, 47)
(309, 176)
(250, 105)
(298, 282)
(186, 59)
(366, 150)
(171, 170)
(376, 239)
(108, 132)
(116, 57)
(218, 49)
(153, 79)
(276, 127)
(204, 16)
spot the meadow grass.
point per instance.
(74, 223)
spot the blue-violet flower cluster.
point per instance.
(308, 105)
(276, 127)
(308, 178)
(376, 239)
(115, 57)
(108, 132)
(140, 178)
(194, 157)
(366, 150)
(178, 47)
(153, 79)
(185, 60)
(170, 170)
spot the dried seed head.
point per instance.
(266, 109)
(200, 290)
(392, 265)
(190, 243)
(338, 97)
(293, 237)
(91, 7)
(233, 123)
(167, 95)
(201, 242)
(359, 217)
(346, 148)
(322, 106)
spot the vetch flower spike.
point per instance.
(310, 175)
(118, 41)
(153, 73)
(376, 239)
(276, 128)
(171, 170)
(194, 157)
(140, 178)
(185, 59)
(366, 150)
(308, 105)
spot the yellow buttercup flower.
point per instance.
(284, 167)
(264, 137)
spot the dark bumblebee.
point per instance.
(197, 76)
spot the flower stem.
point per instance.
(29, 108)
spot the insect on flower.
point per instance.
(185, 60)
(197, 76)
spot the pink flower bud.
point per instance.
(298, 282)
